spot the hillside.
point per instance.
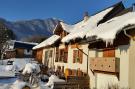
(37, 27)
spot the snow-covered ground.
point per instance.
(8, 80)
(15, 85)
(52, 79)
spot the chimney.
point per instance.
(86, 16)
(133, 7)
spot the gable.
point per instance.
(118, 8)
(59, 31)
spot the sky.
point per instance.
(70, 11)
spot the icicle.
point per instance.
(109, 41)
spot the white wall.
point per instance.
(92, 53)
(104, 81)
(132, 65)
(70, 63)
(121, 52)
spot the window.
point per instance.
(28, 50)
(46, 54)
(77, 56)
(50, 53)
(61, 55)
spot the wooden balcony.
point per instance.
(105, 64)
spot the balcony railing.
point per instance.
(105, 64)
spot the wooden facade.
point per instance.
(61, 53)
(109, 52)
(39, 54)
(20, 53)
(105, 64)
(75, 45)
(103, 58)
(59, 31)
(10, 54)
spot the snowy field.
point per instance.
(8, 79)
(11, 83)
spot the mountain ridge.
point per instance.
(28, 28)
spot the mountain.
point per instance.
(29, 28)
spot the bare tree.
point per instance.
(5, 34)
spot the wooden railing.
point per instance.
(106, 64)
(73, 82)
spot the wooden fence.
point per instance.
(73, 82)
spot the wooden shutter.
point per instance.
(81, 56)
(62, 69)
(109, 53)
(65, 57)
(66, 48)
(60, 55)
(66, 54)
(39, 55)
(74, 55)
(57, 54)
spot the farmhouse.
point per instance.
(101, 45)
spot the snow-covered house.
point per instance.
(19, 49)
(52, 52)
(111, 52)
(108, 60)
(101, 45)
(78, 52)
(70, 35)
(45, 51)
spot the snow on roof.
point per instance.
(31, 43)
(69, 28)
(47, 42)
(79, 30)
(66, 27)
(108, 30)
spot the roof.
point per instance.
(117, 8)
(50, 41)
(130, 9)
(80, 29)
(24, 45)
(31, 43)
(108, 30)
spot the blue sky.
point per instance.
(70, 11)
